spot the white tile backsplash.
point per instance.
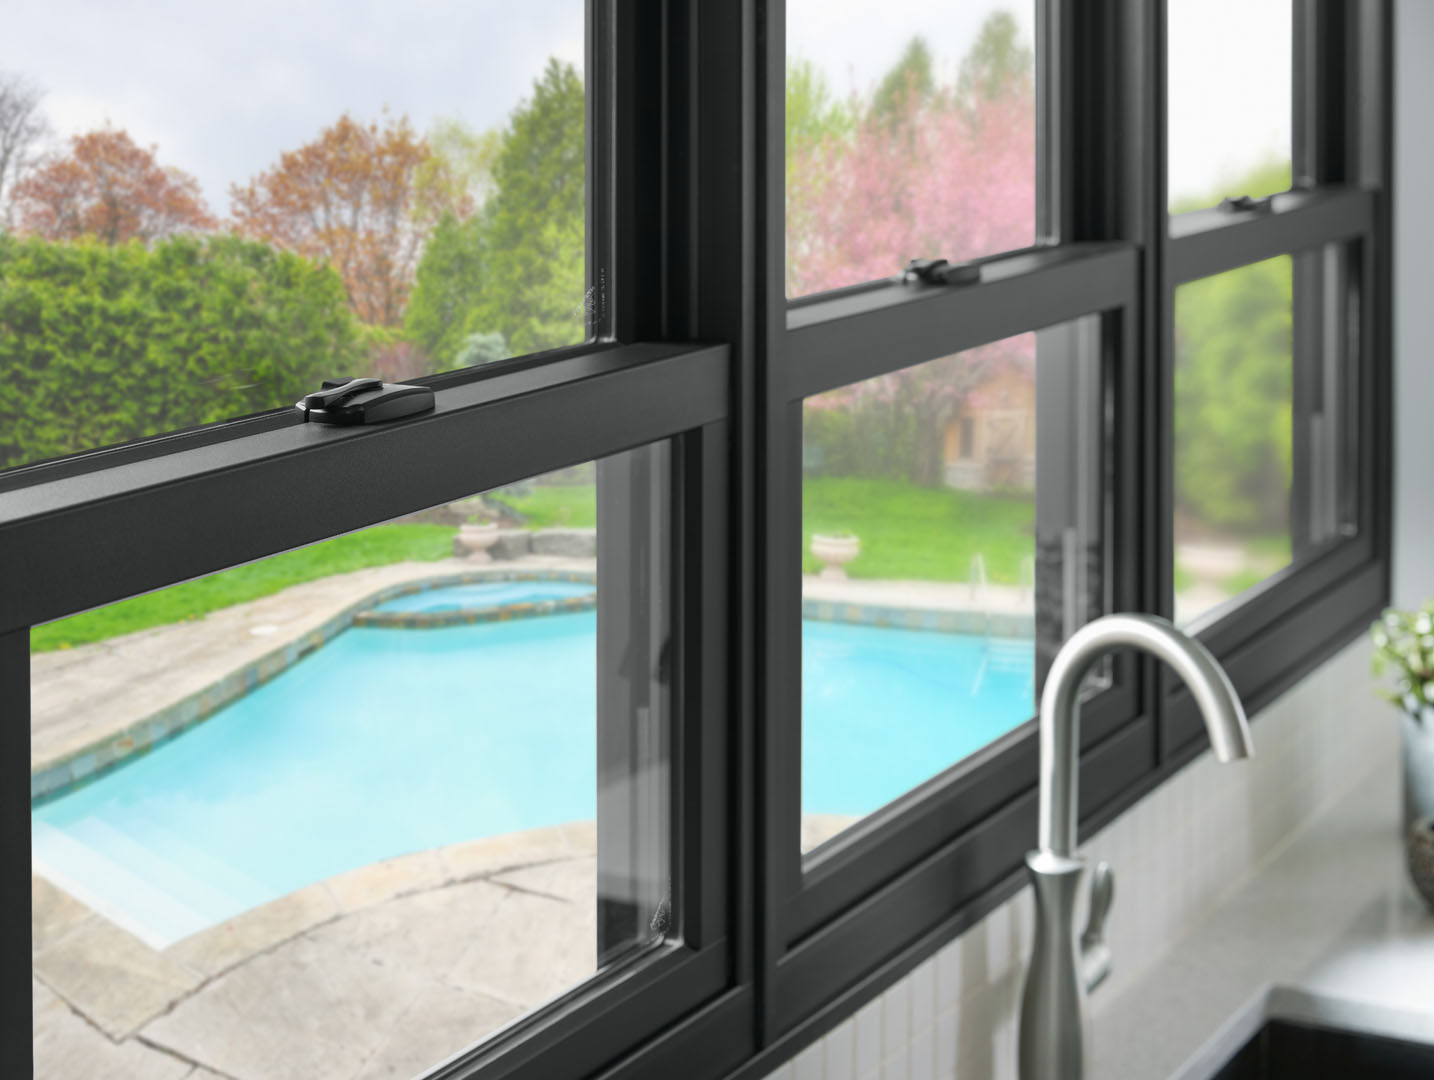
(1175, 854)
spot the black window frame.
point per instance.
(697, 344)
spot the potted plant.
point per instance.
(1404, 649)
(834, 550)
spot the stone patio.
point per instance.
(380, 972)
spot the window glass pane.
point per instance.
(952, 524)
(911, 133)
(345, 811)
(1230, 99)
(1264, 399)
(211, 211)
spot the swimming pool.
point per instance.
(480, 595)
(387, 741)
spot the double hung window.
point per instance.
(802, 375)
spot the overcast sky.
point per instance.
(1229, 67)
(222, 88)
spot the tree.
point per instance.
(1234, 372)
(999, 63)
(457, 176)
(1234, 386)
(514, 272)
(446, 286)
(109, 188)
(534, 230)
(814, 116)
(105, 344)
(909, 85)
(480, 348)
(940, 177)
(922, 170)
(348, 198)
(22, 130)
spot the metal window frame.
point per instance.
(872, 905)
(669, 267)
(702, 348)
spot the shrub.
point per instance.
(102, 345)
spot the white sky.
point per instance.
(222, 88)
(1229, 67)
(1230, 91)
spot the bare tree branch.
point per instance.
(23, 129)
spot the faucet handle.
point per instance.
(1102, 892)
(1094, 952)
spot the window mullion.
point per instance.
(15, 849)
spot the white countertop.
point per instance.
(1328, 931)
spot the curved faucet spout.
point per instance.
(1053, 1037)
(1060, 708)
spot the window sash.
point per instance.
(691, 218)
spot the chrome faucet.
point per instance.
(1053, 1039)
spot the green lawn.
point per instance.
(916, 533)
(906, 532)
(378, 546)
(571, 506)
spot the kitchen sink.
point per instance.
(1283, 1050)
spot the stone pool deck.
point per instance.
(950, 606)
(381, 972)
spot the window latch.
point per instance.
(941, 272)
(347, 402)
(1243, 203)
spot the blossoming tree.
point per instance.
(917, 169)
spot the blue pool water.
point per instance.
(883, 710)
(387, 741)
(485, 594)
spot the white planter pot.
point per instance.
(834, 552)
(1418, 755)
(477, 539)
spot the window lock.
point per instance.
(1243, 203)
(364, 401)
(941, 272)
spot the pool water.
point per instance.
(387, 741)
(485, 595)
(884, 710)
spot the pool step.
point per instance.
(150, 895)
(1004, 656)
(1009, 655)
(205, 865)
(123, 897)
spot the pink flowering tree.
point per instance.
(915, 170)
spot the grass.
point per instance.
(378, 546)
(571, 506)
(1270, 553)
(916, 533)
(906, 532)
(1184, 579)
